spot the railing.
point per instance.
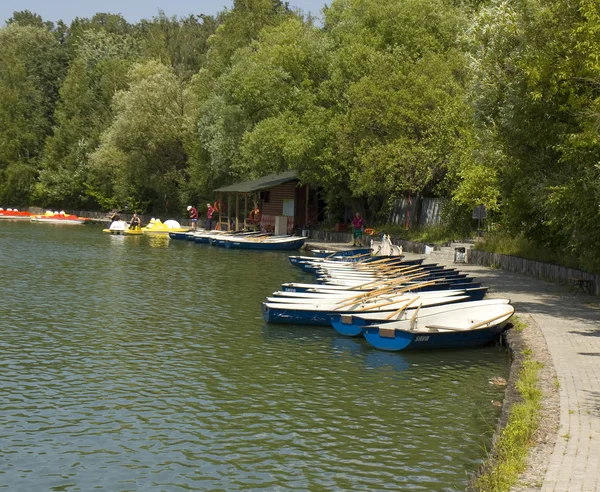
(537, 269)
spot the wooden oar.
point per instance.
(372, 283)
(377, 306)
(451, 328)
(361, 297)
(413, 319)
(399, 311)
(416, 286)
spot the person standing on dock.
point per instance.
(193, 216)
(358, 226)
(210, 210)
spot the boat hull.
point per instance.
(266, 245)
(307, 315)
(353, 326)
(406, 340)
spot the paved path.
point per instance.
(570, 323)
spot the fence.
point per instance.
(430, 211)
(345, 237)
(536, 269)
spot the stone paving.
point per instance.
(570, 323)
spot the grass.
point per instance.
(519, 325)
(430, 234)
(510, 452)
(496, 242)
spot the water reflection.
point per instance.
(158, 240)
(377, 359)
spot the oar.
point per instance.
(377, 306)
(361, 297)
(372, 283)
(450, 328)
(413, 319)
(416, 286)
(399, 311)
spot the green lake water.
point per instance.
(139, 363)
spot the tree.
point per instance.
(31, 70)
(142, 152)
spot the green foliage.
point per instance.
(494, 103)
(142, 151)
(31, 70)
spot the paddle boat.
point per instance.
(352, 325)
(121, 228)
(59, 218)
(14, 214)
(470, 326)
(155, 226)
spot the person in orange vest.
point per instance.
(193, 216)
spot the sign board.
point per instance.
(480, 212)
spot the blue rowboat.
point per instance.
(326, 253)
(319, 315)
(270, 244)
(468, 327)
(352, 325)
(179, 235)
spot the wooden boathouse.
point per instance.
(284, 204)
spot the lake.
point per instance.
(143, 363)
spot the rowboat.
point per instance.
(187, 235)
(352, 325)
(274, 243)
(327, 253)
(466, 327)
(319, 314)
(59, 218)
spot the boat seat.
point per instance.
(385, 332)
(445, 328)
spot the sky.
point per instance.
(132, 10)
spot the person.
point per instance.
(254, 217)
(113, 216)
(358, 226)
(210, 210)
(193, 216)
(135, 221)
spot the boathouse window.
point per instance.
(265, 196)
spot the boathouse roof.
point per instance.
(263, 183)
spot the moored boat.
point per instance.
(467, 327)
(155, 226)
(352, 325)
(14, 214)
(270, 243)
(319, 314)
(59, 218)
(327, 253)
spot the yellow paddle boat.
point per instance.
(121, 228)
(155, 226)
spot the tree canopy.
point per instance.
(491, 102)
